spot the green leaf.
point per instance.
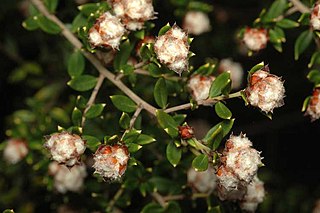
(206, 69)
(255, 68)
(94, 9)
(95, 110)
(160, 93)
(164, 29)
(222, 111)
(144, 139)
(51, 5)
(131, 136)
(139, 34)
(304, 19)
(8, 211)
(167, 123)
(91, 142)
(76, 64)
(152, 208)
(173, 207)
(215, 209)
(154, 70)
(30, 23)
(123, 103)
(83, 83)
(76, 117)
(314, 76)
(200, 6)
(123, 54)
(173, 154)
(59, 115)
(219, 84)
(200, 163)
(132, 147)
(47, 25)
(305, 104)
(302, 42)
(124, 121)
(79, 21)
(276, 9)
(179, 118)
(287, 23)
(315, 59)
(145, 51)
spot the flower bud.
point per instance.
(202, 182)
(66, 179)
(199, 86)
(196, 22)
(236, 71)
(65, 148)
(111, 161)
(15, 150)
(315, 17)
(133, 13)
(255, 39)
(313, 109)
(265, 90)
(254, 195)
(172, 49)
(106, 32)
(186, 132)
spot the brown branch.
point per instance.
(159, 199)
(300, 6)
(92, 97)
(135, 116)
(95, 62)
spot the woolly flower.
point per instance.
(65, 148)
(255, 39)
(172, 49)
(203, 182)
(196, 22)
(254, 195)
(313, 109)
(15, 151)
(315, 17)
(240, 164)
(199, 86)
(66, 179)
(265, 90)
(236, 71)
(133, 13)
(106, 32)
(111, 161)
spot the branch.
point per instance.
(301, 7)
(115, 199)
(159, 198)
(92, 97)
(135, 116)
(95, 62)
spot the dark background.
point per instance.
(289, 141)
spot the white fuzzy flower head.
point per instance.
(172, 49)
(15, 150)
(196, 22)
(106, 32)
(111, 161)
(255, 39)
(65, 148)
(199, 86)
(315, 17)
(133, 13)
(313, 109)
(254, 195)
(265, 90)
(67, 179)
(229, 186)
(236, 71)
(203, 182)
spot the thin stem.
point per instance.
(174, 197)
(95, 62)
(201, 147)
(135, 116)
(159, 198)
(300, 6)
(92, 97)
(115, 199)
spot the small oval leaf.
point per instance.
(302, 42)
(160, 93)
(222, 110)
(76, 64)
(83, 83)
(200, 163)
(219, 84)
(123, 103)
(173, 154)
(95, 110)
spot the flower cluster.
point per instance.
(315, 17)
(65, 148)
(196, 22)
(67, 179)
(172, 49)
(106, 32)
(255, 39)
(254, 195)
(313, 109)
(203, 182)
(235, 69)
(186, 132)
(199, 86)
(265, 90)
(239, 165)
(111, 161)
(15, 150)
(133, 13)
